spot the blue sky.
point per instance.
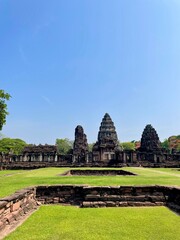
(67, 63)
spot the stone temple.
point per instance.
(105, 152)
(107, 145)
(150, 140)
(80, 148)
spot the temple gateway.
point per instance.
(107, 151)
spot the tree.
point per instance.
(128, 145)
(12, 146)
(174, 142)
(3, 107)
(2, 136)
(165, 144)
(90, 146)
(64, 146)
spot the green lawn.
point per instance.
(9, 172)
(15, 180)
(72, 223)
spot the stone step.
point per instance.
(89, 204)
(141, 198)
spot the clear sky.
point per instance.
(68, 62)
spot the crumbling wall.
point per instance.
(13, 207)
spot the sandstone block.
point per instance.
(2, 225)
(123, 204)
(86, 204)
(9, 218)
(110, 204)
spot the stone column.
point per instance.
(87, 157)
(155, 158)
(132, 157)
(40, 157)
(74, 158)
(124, 157)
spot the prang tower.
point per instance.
(107, 145)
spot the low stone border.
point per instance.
(109, 196)
(16, 206)
(13, 207)
(97, 172)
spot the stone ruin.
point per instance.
(105, 152)
(107, 145)
(150, 140)
(80, 148)
(18, 206)
(150, 149)
(41, 153)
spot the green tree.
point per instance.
(64, 146)
(128, 145)
(3, 107)
(13, 146)
(165, 144)
(90, 146)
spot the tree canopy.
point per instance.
(12, 146)
(165, 144)
(90, 146)
(3, 107)
(64, 146)
(128, 145)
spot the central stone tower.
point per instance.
(107, 145)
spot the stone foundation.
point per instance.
(104, 172)
(88, 196)
(121, 196)
(14, 207)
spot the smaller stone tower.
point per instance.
(150, 140)
(80, 148)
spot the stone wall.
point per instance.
(13, 207)
(89, 196)
(34, 165)
(16, 206)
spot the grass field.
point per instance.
(12, 180)
(72, 223)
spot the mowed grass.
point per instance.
(72, 223)
(57, 222)
(10, 181)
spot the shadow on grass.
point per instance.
(173, 209)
